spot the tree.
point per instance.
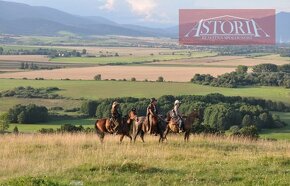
(84, 51)
(285, 68)
(247, 121)
(133, 79)
(220, 116)
(249, 132)
(267, 120)
(28, 114)
(4, 122)
(15, 130)
(160, 79)
(1, 50)
(267, 67)
(98, 77)
(89, 108)
(21, 118)
(241, 69)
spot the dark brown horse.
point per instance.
(104, 126)
(188, 122)
(141, 127)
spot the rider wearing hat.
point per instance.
(116, 116)
(176, 115)
(152, 112)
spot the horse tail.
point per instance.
(96, 124)
(99, 133)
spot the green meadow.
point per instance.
(112, 89)
(80, 159)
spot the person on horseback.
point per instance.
(116, 116)
(176, 115)
(152, 112)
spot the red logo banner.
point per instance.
(227, 27)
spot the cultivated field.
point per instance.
(82, 160)
(227, 61)
(178, 74)
(24, 58)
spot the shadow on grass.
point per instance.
(126, 168)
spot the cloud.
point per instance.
(282, 5)
(143, 8)
(109, 5)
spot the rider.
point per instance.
(176, 115)
(152, 112)
(116, 116)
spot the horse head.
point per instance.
(193, 115)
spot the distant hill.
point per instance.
(22, 19)
(18, 18)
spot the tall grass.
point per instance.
(82, 159)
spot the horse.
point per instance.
(141, 127)
(188, 122)
(104, 126)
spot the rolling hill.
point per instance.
(23, 19)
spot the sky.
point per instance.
(150, 12)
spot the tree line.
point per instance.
(262, 75)
(44, 51)
(253, 51)
(216, 111)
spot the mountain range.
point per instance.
(23, 19)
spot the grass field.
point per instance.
(7, 103)
(112, 60)
(82, 160)
(33, 128)
(113, 89)
(129, 59)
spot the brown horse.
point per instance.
(141, 127)
(188, 122)
(104, 126)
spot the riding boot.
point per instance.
(180, 127)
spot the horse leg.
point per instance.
(186, 136)
(142, 133)
(100, 134)
(165, 133)
(121, 138)
(129, 136)
(135, 134)
(134, 137)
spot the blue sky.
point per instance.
(149, 12)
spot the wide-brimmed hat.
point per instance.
(115, 104)
(152, 100)
(177, 102)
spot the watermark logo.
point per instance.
(227, 27)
